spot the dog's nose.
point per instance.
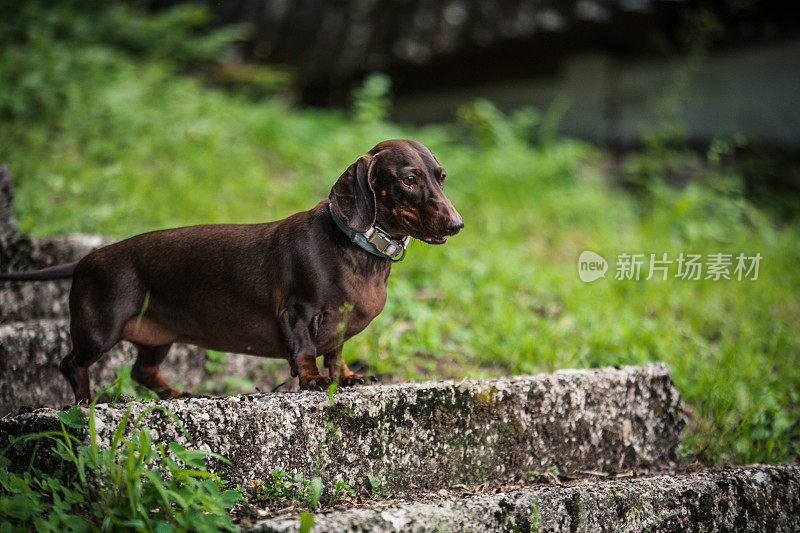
(453, 225)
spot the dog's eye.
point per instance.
(409, 181)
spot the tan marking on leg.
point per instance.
(84, 385)
(339, 370)
(309, 374)
(151, 377)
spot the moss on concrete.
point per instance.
(757, 499)
(430, 435)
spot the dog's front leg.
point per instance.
(296, 321)
(339, 370)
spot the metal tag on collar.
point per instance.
(399, 246)
(403, 243)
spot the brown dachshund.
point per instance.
(297, 288)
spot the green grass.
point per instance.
(137, 146)
(132, 485)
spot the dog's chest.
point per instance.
(367, 302)
(359, 304)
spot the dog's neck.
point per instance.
(375, 240)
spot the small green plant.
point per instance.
(139, 318)
(375, 485)
(511, 523)
(306, 522)
(133, 484)
(223, 382)
(294, 487)
(332, 388)
(125, 387)
(536, 515)
(314, 492)
(285, 486)
(342, 490)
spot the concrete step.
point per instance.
(425, 435)
(756, 498)
(8, 227)
(31, 351)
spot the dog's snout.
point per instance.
(453, 225)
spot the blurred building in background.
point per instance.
(614, 68)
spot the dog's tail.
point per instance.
(53, 272)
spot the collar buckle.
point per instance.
(381, 242)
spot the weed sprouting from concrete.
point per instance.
(139, 318)
(134, 480)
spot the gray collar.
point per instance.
(374, 240)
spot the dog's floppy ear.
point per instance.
(353, 196)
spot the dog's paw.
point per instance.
(315, 383)
(353, 380)
(175, 394)
(186, 394)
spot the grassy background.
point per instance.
(109, 133)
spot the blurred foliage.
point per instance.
(372, 101)
(50, 50)
(490, 127)
(130, 144)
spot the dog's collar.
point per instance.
(374, 240)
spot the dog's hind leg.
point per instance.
(77, 377)
(98, 309)
(86, 350)
(75, 366)
(145, 371)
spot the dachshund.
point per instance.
(296, 288)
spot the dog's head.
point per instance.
(398, 186)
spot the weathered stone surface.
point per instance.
(31, 351)
(758, 498)
(26, 300)
(8, 229)
(429, 435)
